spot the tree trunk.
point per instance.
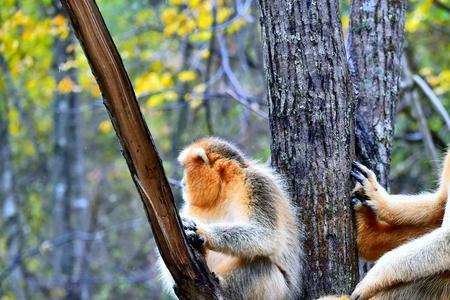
(311, 120)
(70, 204)
(10, 208)
(189, 270)
(375, 46)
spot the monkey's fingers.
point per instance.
(361, 168)
(358, 176)
(189, 224)
(195, 240)
(359, 194)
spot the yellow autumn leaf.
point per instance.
(20, 18)
(345, 22)
(31, 84)
(194, 103)
(95, 91)
(166, 80)
(157, 66)
(236, 26)
(168, 15)
(194, 3)
(223, 14)
(171, 96)
(148, 83)
(201, 36)
(412, 24)
(205, 54)
(155, 100)
(187, 27)
(14, 129)
(171, 28)
(204, 20)
(59, 20)
(184, 76)
(105, 126)
(66, 85)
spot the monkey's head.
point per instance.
(209, 165)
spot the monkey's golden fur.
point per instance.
(410, 237)
(241, 209)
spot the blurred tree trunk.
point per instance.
(188, 267)
(10, 209)
(311, 120)
(375, 46)
(70, 204)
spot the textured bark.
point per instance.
(375, 46)
(193, 279)
(311, 120)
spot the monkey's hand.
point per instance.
(375, 281)
(368, 287)
(367, 190)
(193, 234)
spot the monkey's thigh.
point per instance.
(436, 287)
(259, 279)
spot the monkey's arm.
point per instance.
(376, 237)
(258, 236)
(245, 239)
(419, 258)
(423, 209)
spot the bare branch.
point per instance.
(427, 139)
(433, 98)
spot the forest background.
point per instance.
(71, 222)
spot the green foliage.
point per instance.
(166, 48)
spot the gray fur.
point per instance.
(266, 238)
(268, 243)
(435, 287)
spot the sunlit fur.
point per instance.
(391, 220)
(249, 223)
(417, 230)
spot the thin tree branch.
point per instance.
(433, 98)
(427, 139)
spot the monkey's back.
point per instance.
(263, 181)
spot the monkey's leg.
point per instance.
(436, 287)
(376, 237)
(423, 209)
(259, 279)
(425, 256)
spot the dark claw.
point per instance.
(195, 240)
(176, 290)
(358, 166)
(188, 224)
(355, 201)
(358, 176)
(360, 196)
(364, 203)
(215, 277)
